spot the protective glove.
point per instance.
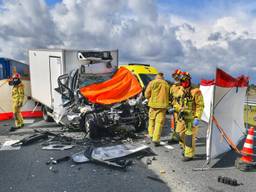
(171, 110)
(145, 102)
(196, 122)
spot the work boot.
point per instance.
(174, 138)
(184, 159)
(148, 140)
(13, 129)
(172, 141)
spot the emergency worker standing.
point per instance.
(173, 99)
(157, 93)
(189, 107)
(17, 100)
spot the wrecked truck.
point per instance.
(85, 90)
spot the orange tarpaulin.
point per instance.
(122, 86)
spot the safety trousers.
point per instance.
(17, 115)
(187, 134)
(156, 123)
(174, 135)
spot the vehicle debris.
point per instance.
(155, 179)
(162, 171)
(7, 145)
(148, 161)
(59, 160)
(60, 147)
(110, 153)
(228, 181)
(88, 154)
(31, 139)
(52, 169)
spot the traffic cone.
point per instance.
(248, 147)
(172, 123)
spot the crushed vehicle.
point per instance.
(86, 90)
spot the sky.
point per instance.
(197, 36)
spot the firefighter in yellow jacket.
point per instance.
(173, 97)
(17, 100)
(157, 93)
(189, 107)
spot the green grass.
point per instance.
(251, 113)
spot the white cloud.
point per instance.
(136, 28)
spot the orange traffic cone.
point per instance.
(172, 122)
(248, 147)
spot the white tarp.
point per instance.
(207, 92)
(229, 112)
(227, 107)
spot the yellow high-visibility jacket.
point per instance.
(18, 94)
(189, 101)
(157, 93)
(174, 93)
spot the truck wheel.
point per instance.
(90, 126)
(46, 117)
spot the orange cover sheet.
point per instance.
(122, 86)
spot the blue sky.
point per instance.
(193, 35)
(52, 2)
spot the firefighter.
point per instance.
(157, 93)
(189, 107)
(17, 100)
(173, 99)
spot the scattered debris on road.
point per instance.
(7, 145)
(31, 139)
(148, 161)
(58, 147)
(228, 181)
(59, 160)
(155, 179)
(110, 155)
(162, 172)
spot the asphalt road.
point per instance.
(25, 170)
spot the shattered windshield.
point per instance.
(88, 79)
(146, 78)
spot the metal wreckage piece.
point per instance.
(59, 147)
(31, 139)
(109, 155)
(65, 142)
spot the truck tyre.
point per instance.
(90, 126)
(46, 117)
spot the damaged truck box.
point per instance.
(85, 90)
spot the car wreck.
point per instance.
(93, 95)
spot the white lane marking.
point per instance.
(29, 121)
